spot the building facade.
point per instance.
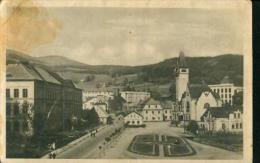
(153, 111)
(97, 92)
(226, 90)
(133, 97)
(223, 119)
(36, 94)
(133, 119)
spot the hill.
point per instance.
(210, 69)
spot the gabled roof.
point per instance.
(197, 89)
(134, 112)
(26, 71)
(221, 112)
(166, 104)
(151, 101)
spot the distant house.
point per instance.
(167, 110)
(91, 102)
(223, 119)
(153, 111)
(226, 90)
(135, 97)
(133, 119)
(98, 92)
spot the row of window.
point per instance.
(237, 126)
(226, 96)
(15, 110)
(236, 115)
(17, 93)
(133, 122)
(218, 90)
(165, 111)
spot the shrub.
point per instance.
(192, 127)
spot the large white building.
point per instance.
(133, 97)
(32, 92)
(226, 90)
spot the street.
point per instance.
(89, 147)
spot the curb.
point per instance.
(71, 144)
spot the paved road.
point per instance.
(88, 148)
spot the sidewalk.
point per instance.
(73, 143)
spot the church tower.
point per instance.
(182, 76)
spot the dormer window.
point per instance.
(183, 70)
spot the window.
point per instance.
(223, 126)
(235, 115)
(221, 90)
(8, 109)
(229, 90)
(138, 122)
(218, 90)
(188, 106)
(183, 70)
(233, 126)
(156, 106)
(229, 95)
(25, 93)
(16, 93)
(241, 125)
(158, 112)
(7, 93)
(153, 112)
(226, 90)
(225, 95)
(221, 95)
(133, 122)
(165, 111)
(238, 115)
(146, 112)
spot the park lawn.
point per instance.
(143, 148)
(229, 142)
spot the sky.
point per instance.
(128, 36)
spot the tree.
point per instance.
(238, 99)
(91, 117)
(192, 126)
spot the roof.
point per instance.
(221, 112)
(134, 112)
(182, 61)
(226, 80)
(197, 89)
(25, 71)
(151, 101)
(166, 104)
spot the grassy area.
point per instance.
(144, 148)
(231, 142)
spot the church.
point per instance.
(192, 100)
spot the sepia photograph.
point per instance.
(126, 81)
